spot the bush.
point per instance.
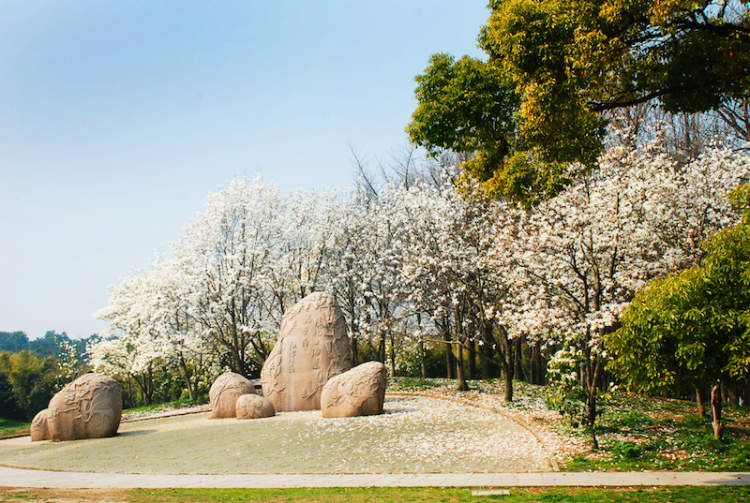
(626, 450)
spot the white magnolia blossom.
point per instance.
(416, 262)
(575, 262)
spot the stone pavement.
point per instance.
(16, 477)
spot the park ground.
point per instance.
(636, 433)
(429, 428)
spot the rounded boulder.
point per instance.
(225, 391)
(88, 407)
(253, 407)
(39, 429)
(358, 392)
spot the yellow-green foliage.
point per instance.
(553, 69)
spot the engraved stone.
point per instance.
(358, 392)
(311, 348)
(88, 407)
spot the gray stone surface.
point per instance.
(253, 407)
(225, 391)
(15, 477)
(311, 348)
(357, 392)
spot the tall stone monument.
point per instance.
(311, 348)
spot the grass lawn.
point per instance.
(158, 407)
(411, 384)
(636, 432)
(354, 495)
(13, 428)
(642, 433)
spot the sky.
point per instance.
(117, 119)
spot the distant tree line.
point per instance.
(49, 345)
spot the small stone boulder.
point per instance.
(39, 427)
(225, 391)
(312, 347)
(358, 392)
(88, 407)
(253, 407)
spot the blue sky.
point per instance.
(118, 118)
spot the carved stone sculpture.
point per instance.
(225, 391)
(253, 407)
(358, 392)
(311, 348)
(88, 407)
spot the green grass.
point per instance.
(646, 433)
(13, 428)
(385, 494)
(175, 404)
(412, 384)
(12, 424)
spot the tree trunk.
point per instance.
(508, 368)
(699, 399)
(422, 358)
(392, 357)
(716, 410)
(381, 349)
(591, 413)
(535, 364)
(146, 384)
(518, 361)
(485, 351)
(734, 399)
(591, 370)
(187, 376)
(472, 360)
(484, 363)
(449, 358)
(422, 355)
(355, 353)
(462, 386)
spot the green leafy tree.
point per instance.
(554, 69)
(31, 379)
(8, 404)
(692, 327)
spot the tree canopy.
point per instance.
(555, 69)
(693, 327)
